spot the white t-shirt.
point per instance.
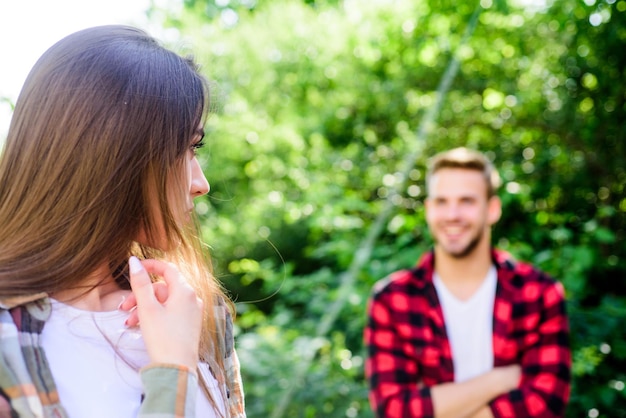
(469, 325)
(95, 361)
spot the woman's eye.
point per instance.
(196, 146)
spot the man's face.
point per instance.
(458, 212)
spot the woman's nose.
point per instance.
(199, 184)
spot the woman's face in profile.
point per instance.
(196, 181)
(195, 184)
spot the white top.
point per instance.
(469, 325)
(95, 361)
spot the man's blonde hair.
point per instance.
(467, 159)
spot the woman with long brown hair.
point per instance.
(108, 307)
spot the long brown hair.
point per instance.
(102, 126)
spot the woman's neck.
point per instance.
(97, 292)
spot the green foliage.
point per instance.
(318, 103)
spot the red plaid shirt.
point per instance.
(408, 348)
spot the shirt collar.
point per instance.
(15, 301)
(502, 260)
(37, 305)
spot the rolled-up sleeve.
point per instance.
(391, 369)
(545, 386)
(169, 391)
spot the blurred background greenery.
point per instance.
(325, 114)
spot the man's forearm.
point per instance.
(484, 412)
(465, 399)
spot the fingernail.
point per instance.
(135, 265)
(121, 303)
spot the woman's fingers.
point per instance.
(140, 282)
(169, 312)
(160, 291)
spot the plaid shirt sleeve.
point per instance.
(391, 367)
(170, 391)
(539, 343)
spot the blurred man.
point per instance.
(468, 332)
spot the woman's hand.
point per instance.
(169, 313)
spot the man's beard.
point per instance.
(469, 248)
